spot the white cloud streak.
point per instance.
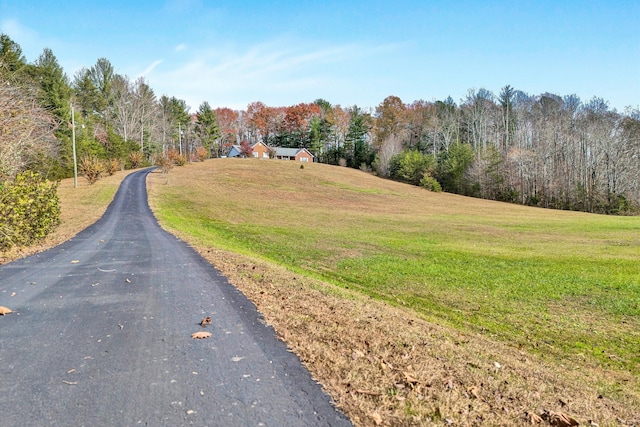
(279, 71)
(150, 68)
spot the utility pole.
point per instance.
(142, 130)
(73, 144)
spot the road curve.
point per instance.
(101, 336)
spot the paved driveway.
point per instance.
(101, 336)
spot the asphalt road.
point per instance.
(101, 336)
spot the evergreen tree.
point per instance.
(12, 62)
(208, 129)
(54, 84)
(356, 145)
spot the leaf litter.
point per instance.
(384, 365)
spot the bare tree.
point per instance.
(26, 130)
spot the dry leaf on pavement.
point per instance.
(5, 310)
(201, 335)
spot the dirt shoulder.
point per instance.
(383, 365)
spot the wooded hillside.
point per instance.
(542, 150)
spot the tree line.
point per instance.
(541, 150)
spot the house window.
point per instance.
(265, 155)
(304, 159)
(255, 154)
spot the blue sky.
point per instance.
(282, 53)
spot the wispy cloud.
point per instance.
(150, 68)
(27, 38)
(180, 47)
(272, 72)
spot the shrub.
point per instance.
(172, 154)
(164, 163)
(411, 166)
(112, 166)
(202, 153)
(430, 183)
(176, 158)
(92, 167)
(136, 158)
(29, 209)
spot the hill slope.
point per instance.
(412, 306)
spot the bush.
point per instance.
(92, 167)
(176, 158)
(411, 167)
(136, 158)
(164, 163)
(112, 166)
(430, 183)
(202, 153)
(29, 209)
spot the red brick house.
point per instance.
(261, 151)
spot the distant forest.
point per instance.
(542, 150)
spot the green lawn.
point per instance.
(557, 283)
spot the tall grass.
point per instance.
(562, 284)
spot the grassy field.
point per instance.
(560, 287)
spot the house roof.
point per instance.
(290, 152)
(280, 151)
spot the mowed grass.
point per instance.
(564, 284)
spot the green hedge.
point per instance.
(29, 209)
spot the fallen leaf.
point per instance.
(5, 310)
(376, 418)
(410, 378)
(70, 382)
(71, 371)
(558, 419)
(201, 335)
(75, 261)
(13, 294)
(205, 321)
(127, 280)
(533, 418)
(473, 391)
